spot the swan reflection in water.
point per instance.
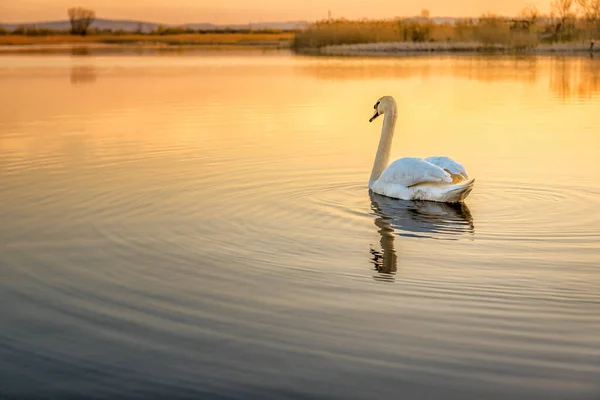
(416, 219)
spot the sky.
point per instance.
(244, 11)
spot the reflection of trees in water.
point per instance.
(484, 68)
(83, 74)
(416, 219)
(570, 76)
(81, 51)
(575, 77)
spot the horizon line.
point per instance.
(244, 23)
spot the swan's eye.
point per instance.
(376, 105)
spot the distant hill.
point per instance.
(287, 25)
(144, 26)
(437, 20)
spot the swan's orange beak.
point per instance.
(374, 116)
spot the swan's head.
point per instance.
(383, 105)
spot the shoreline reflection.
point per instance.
(83, 74)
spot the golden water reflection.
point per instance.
(497, 115)
(568, 77)
(575, 79)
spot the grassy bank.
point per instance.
(281, 39)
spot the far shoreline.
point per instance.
(141, 44)
(137, 42)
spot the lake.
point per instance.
(199, 225)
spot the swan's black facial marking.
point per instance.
(376, 111)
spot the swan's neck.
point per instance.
(382, 157)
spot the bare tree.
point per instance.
(591, 12)
(590, 8)
(562, 9)
(563, 19)
(425, 13)
(81, 19)
(530, 13)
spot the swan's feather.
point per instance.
(441, 191)
(447, 193)
(417, 179)
(457, 171)
(411, 171)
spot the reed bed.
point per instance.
(202, 39)
(488, 32)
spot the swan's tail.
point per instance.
(446, 193)
(459, 192)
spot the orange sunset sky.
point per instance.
(243, 11)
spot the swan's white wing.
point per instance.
(413, 171)
(448, 164)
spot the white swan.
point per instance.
(434, 178)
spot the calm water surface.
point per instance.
(199, 226)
